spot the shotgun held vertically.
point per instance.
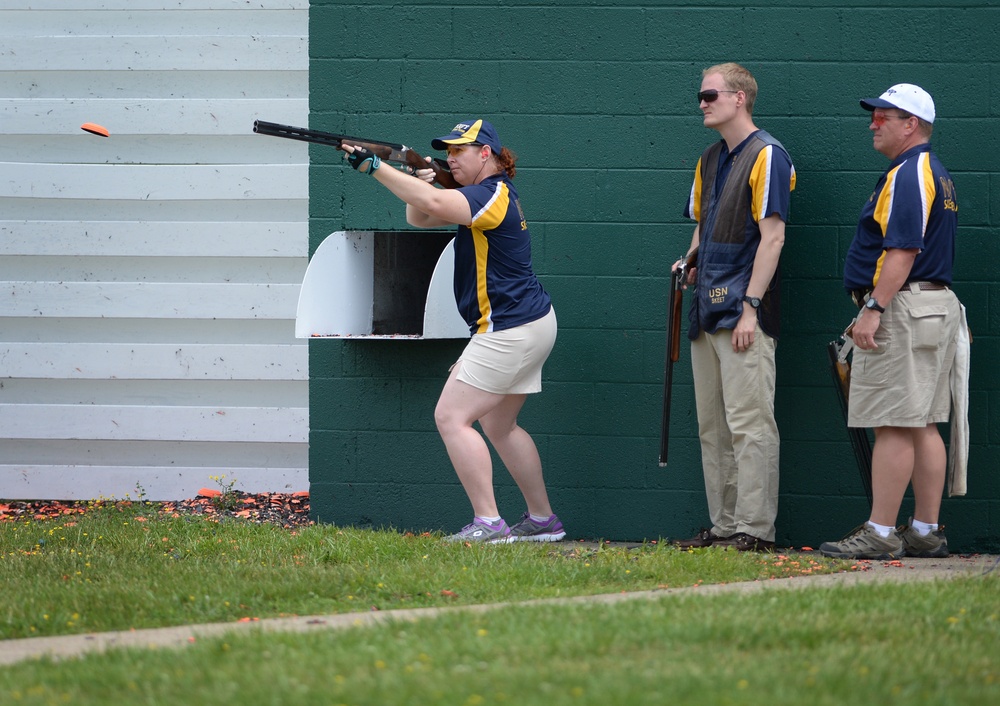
(678, 280)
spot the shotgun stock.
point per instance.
(678, 279)
(386, 151)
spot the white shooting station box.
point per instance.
(380, 285)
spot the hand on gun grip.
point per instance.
(363, 161)
(425, 175)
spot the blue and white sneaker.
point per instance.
(480, 531)
(528, 530)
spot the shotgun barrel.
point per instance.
(840, 368)
(678, 279)
(387, 151)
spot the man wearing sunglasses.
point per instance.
(898, 271)
(740, 200)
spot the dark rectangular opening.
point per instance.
(404, 263)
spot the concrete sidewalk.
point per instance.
(61, 647)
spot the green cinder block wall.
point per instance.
(598, 100)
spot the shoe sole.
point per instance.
(538, 538)
(940, 553)
(860, 555)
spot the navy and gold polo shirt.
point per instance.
(495, 286)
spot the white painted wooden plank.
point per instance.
(103, 330)
(148, 182)
(149, 116)
(154, 84)
(174, 53)
(154, 238)
(204, 454)
(159, 393)
(155, 4)
(76, 147)
(45, 22)
(153, 483)
(175, 270)
(167, 361)
(146, 423)
(239, 210)
(149, 299)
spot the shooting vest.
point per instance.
(728, 240)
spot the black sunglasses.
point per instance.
(711, 95)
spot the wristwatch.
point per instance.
(872, 303)
(752, 301)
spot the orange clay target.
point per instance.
(95, 129)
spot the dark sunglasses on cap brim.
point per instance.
(711, 95)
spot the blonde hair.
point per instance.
(737, 78)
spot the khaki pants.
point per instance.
(734, 393)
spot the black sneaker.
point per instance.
(743, 542)
(705, 538)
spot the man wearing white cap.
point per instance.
(898, 271)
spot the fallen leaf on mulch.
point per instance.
(287, 510)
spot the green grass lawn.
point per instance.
(128, 566)
(117, 568)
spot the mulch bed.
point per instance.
(288, 510)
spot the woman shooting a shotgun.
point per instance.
(510, 316)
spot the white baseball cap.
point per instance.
(905, 96)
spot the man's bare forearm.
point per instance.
(765, 264)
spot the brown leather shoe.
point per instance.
(705, 538)
(743, 542)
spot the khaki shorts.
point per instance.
(904, 382)
(509, 362)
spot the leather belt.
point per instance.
(860, 296)
(927, 286)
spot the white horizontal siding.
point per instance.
(153, 239)
(155, 423)
(150, 300)
(89, 481)
(154, 361)
(61, 19)
(162, 182)
(117, 5)
(148, 280)
(147, 116)
(147, 53)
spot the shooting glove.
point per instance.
(360, 157)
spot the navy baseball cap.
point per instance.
(906, 97)
(470, 131)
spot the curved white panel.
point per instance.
(441, 317)
(337, 291)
